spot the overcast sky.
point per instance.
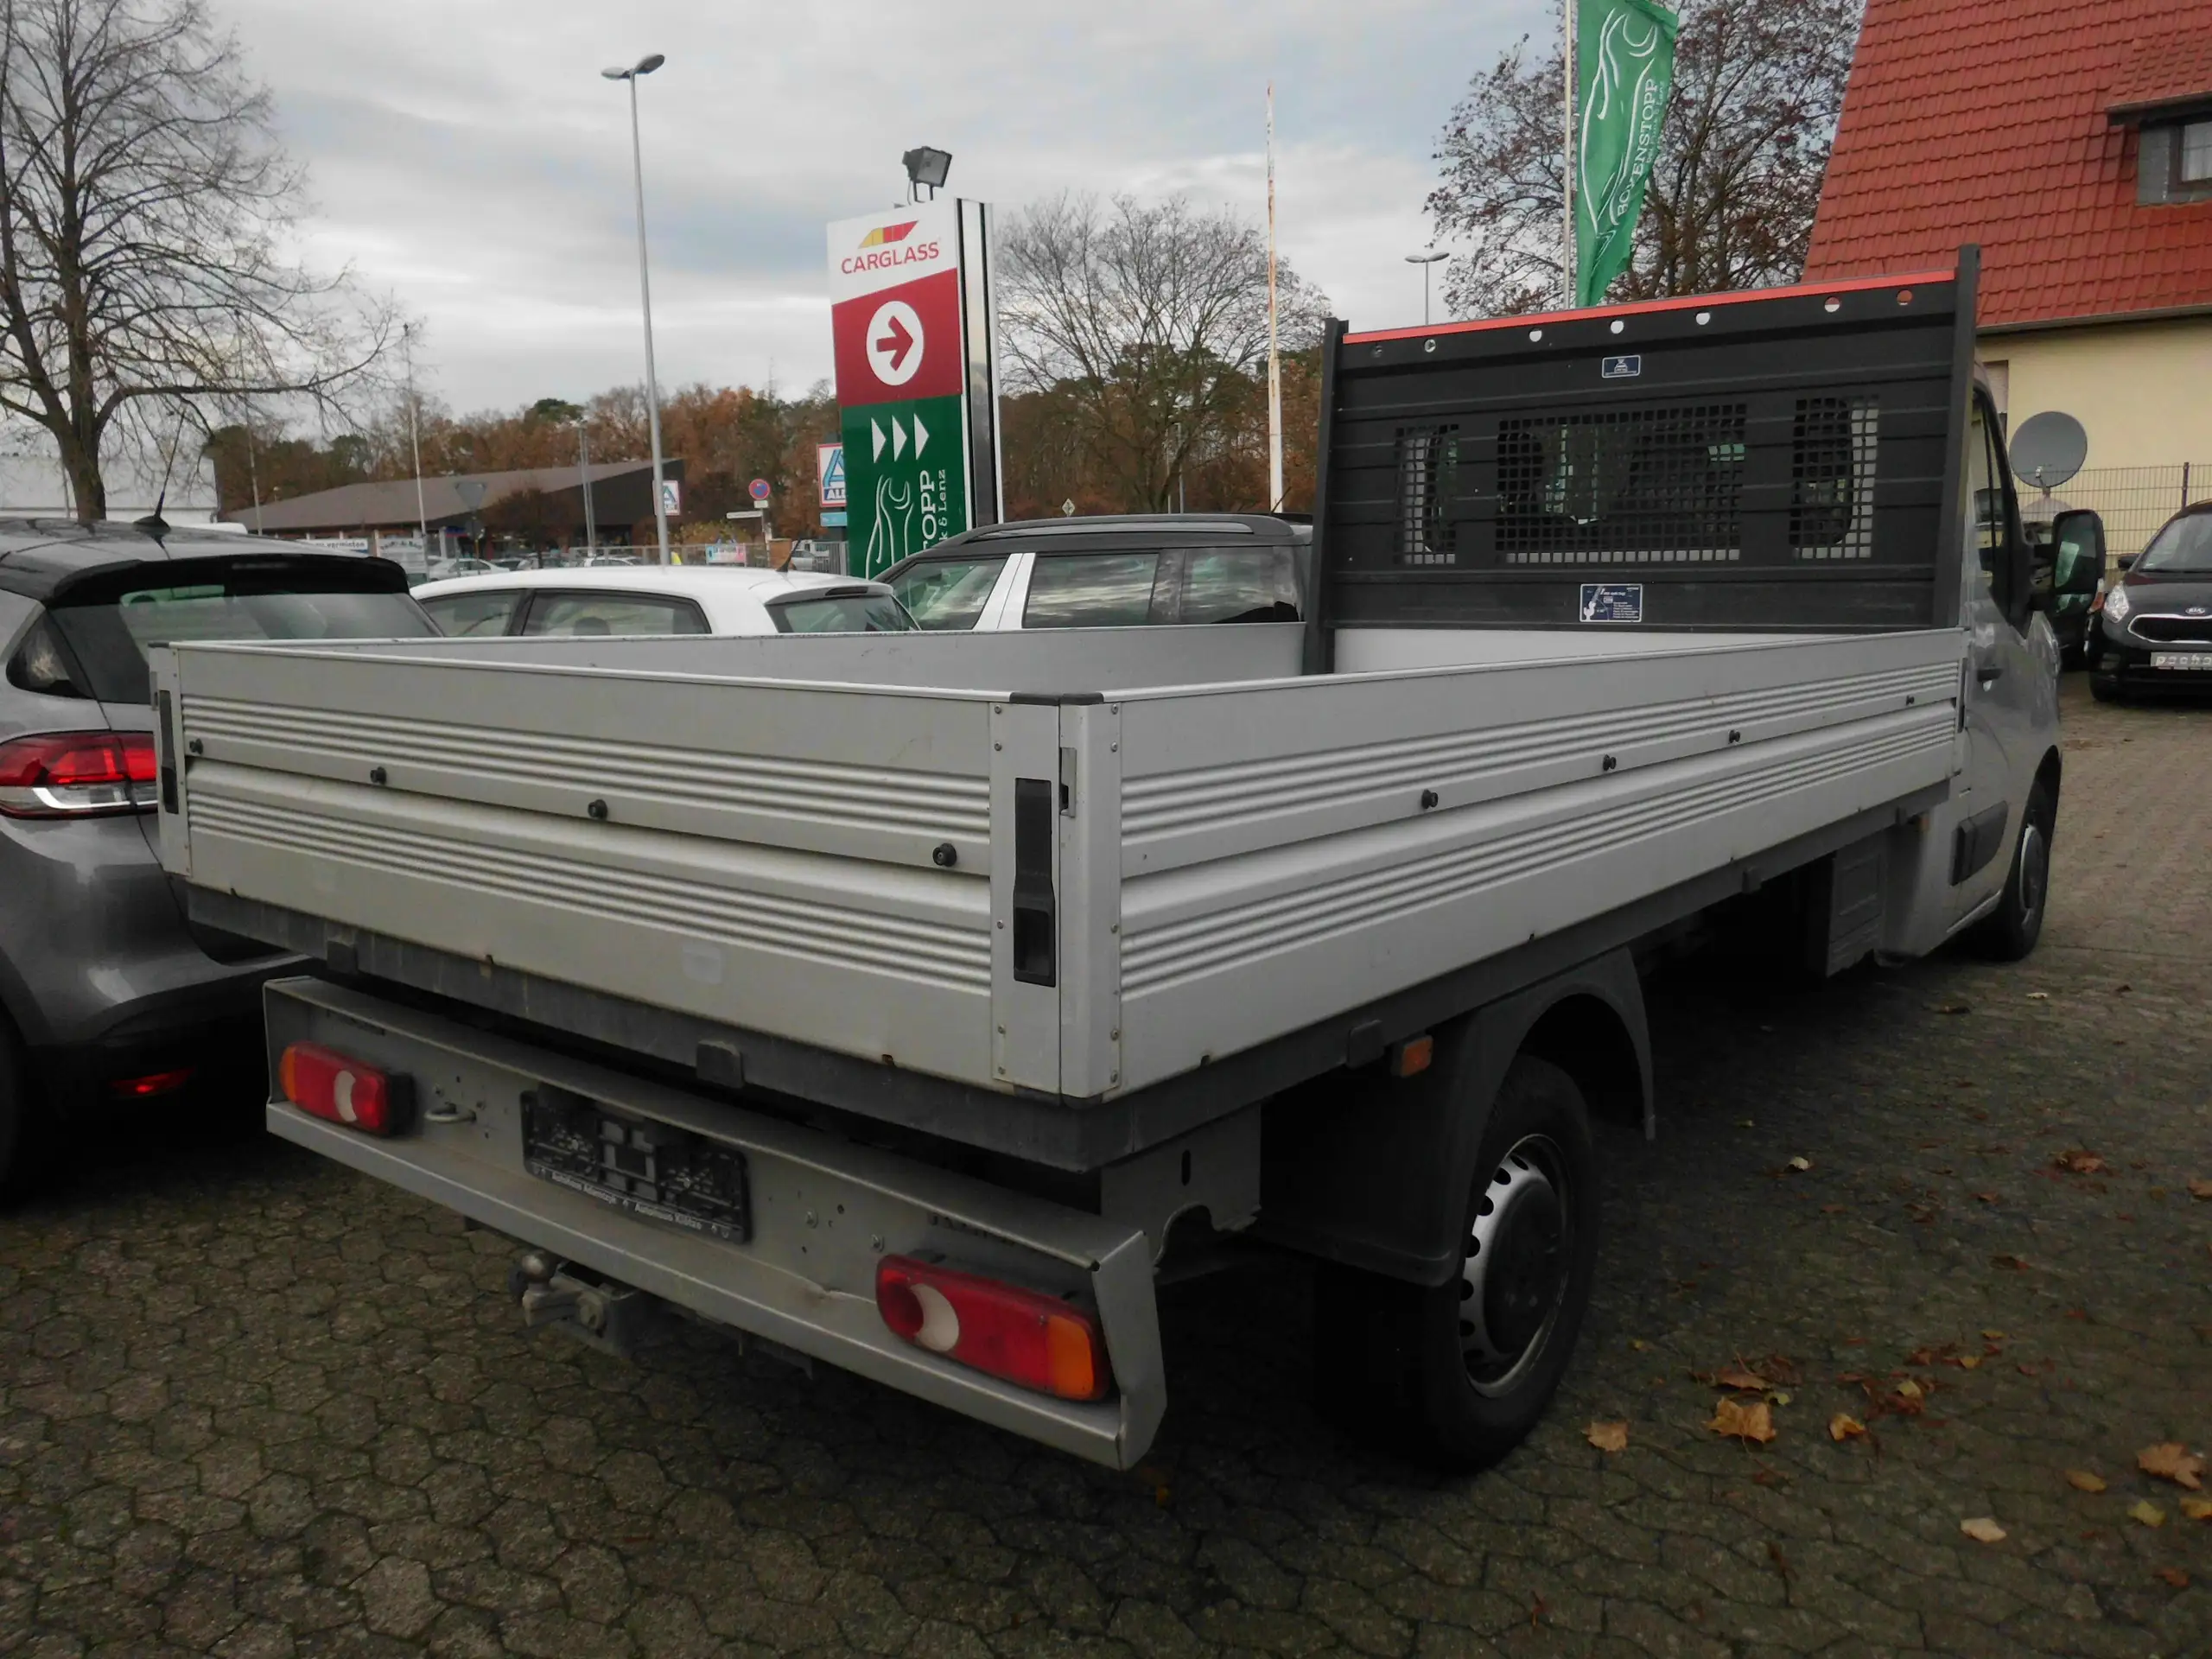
(466, 155)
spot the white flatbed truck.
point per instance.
(906, 1002)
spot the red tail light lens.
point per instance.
(1036, 1341)
(77, 774)
(153, 1084)
(333, 1085)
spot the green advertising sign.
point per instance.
(1624, 68)
(904, 483)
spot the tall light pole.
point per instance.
(1425, 260)
(414, 443)
(645, 66)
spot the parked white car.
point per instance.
(633, 600)
(1110, 572)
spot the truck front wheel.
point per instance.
(1459, 1373)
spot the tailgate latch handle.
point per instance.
(1035, 952)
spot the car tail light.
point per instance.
(153, 1084)
(333, 1085)
(1038, 1341)
(77, 774)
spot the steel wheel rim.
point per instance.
(1513, 1275)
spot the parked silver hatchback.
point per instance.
(108, 995)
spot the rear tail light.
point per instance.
(153, 1084)
(77, 774)
(333, 1085)
(1036, 1341)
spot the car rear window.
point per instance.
(107, 622)
(463, 616)
(841, 614)
(947, 592)
(601, 615)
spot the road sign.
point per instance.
(672, 496)
(830, 462)
(758, 489)
(910, 319)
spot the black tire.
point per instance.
(2011, 931)
(1457, 1374)
(2105, 690)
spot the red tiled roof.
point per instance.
(1985, 121)
(2166, 69)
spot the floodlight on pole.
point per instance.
(645, 66)
(926, 166)
(1425, 261)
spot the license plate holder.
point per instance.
(650, 1169)
(2186, 662)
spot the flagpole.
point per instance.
(1566, 129)
(1275, 360)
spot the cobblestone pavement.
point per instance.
(250, 1404)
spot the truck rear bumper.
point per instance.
(822, 1212)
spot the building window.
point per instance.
(2196, 154)
(2174, 163)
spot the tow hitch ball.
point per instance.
(572, 1299)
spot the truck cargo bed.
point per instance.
(1069, 884)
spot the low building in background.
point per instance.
(2073, 144)
(541, 506)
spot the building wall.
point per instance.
(2142, 391)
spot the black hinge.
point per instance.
(1035, 954)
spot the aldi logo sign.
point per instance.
(911, 322)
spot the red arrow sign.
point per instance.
(896, 342)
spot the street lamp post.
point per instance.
(645, 66)
(1425, 261)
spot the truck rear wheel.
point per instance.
(16, 1117)
(1459, 1373)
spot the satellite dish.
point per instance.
(2048, 449)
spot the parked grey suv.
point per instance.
(108, 996)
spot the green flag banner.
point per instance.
(1624, 67)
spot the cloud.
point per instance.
(466, 155)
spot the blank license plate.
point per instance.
(2191, 662)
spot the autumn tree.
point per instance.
(1758, 84)
(1147, 324)
(146, 209)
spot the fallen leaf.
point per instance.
(1607, 1437)
(1800, 1164)
(2080, 1159)
(2082, 1481)
(1754, 1421)
(1967, 1362)
(2038, 996)
(2171, 1461)
(1736, 1377)
(2199, 1187)
(1983, 1529)
(2148, 1513)
(1779, 1397)
(1843, 1427)
(2012, 1261)
(2174, 1576)
(1987, 1198)
(2197, 1509)
(1992, 1336)
(1909, 1388)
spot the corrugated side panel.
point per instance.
(1288, 851)
(759, 855)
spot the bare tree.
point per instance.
(146, 213)
(1148, 320)
(1758, 84)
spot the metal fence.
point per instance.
(2134, 501)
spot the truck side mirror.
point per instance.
(2078, 536)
